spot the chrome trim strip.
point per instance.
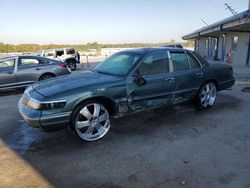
(171, 66)
(54, 116)
(232, 80)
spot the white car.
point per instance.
(67, 55)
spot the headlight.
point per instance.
(37, 105)
(33, 104)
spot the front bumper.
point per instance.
(35, 118)
(31, 117)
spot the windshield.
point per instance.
(118, 64)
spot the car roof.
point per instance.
(148, 50)
(25, 56)
(69, 48)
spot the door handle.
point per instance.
(38, 68)
(10, 72)
(169, 80)
(200, 74)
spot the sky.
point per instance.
(107, 21)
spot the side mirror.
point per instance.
(138, 79)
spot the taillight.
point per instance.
(63, 65)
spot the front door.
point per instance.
(155, 86)
(7, 73)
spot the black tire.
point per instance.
(76, 116)
(46, 76)
(206, 96)
(71, 64)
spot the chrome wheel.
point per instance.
(92, 122)
(208, 95)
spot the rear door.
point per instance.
(29, 70)
(188, 75)
(154, 69)
(7, 72)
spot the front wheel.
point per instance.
(206, 96)
(90, 121)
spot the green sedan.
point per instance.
(126, 82)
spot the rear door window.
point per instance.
(180, 61)
(70, 51)
(24, 62)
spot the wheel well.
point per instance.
(211, 80)
(107, 102)
(71, 59)
(47, 73)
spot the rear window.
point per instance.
(70, 51)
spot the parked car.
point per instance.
(67, 55)
(127, 82)
(174, 46)
(20, 71)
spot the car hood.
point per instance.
(65, 83)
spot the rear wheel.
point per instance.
(46, 76)
(71, 64)
(206, 96)
(90, 121)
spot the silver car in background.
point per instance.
(23, 70)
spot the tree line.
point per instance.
(8, 48)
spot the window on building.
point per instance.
(155, 63)
(234, 43)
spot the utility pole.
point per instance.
(231, 9)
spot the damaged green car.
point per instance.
(126, 82)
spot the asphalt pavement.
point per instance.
(169, 147)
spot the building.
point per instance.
(227, 40)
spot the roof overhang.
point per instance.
(239, 23)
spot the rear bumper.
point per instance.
(226, 84)
(62, 71)
(34, 118)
